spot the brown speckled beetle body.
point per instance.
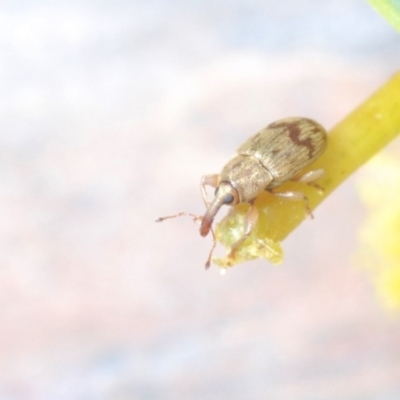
(271, 157)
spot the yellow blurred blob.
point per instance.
(380, 237)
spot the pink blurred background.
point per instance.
(111, 112)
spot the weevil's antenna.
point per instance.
(181, 214)
(196, 218)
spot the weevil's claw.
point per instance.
(309, 213)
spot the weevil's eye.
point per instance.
(228, 199)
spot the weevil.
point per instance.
(273, 156)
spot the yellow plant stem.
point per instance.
(351, 143)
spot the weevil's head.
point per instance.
(224, 194)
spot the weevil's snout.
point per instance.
(224, 194)
(205, 226)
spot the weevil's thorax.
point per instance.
(247, 176)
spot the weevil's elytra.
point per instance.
(273, 156)
(285, 147)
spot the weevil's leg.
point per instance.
(297, 196)
(310, 177)
(211, 180)
(181, 214)
(208, 263)
(250, 221)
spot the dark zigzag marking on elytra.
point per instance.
(294, 134)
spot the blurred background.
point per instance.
(111, 111)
